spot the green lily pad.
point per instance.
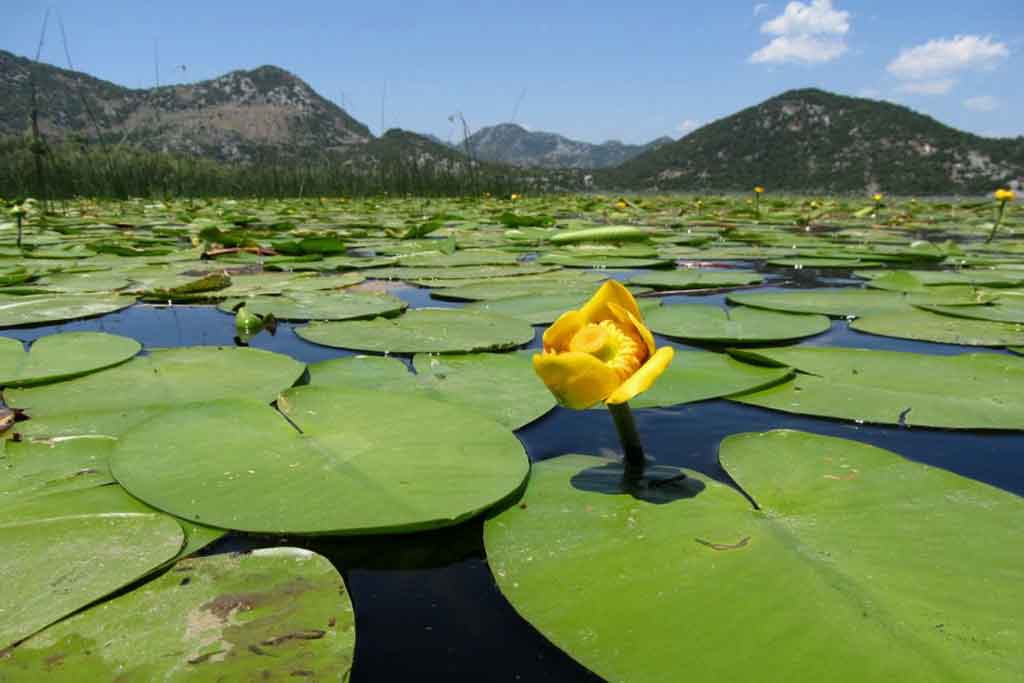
(461, 273)
(31, 469)
(696, 278)
(58, 559)
(501, 386)
(51, 308)
(741, 324)
(832, 577)
(459, 259)
(61, 356)
(543, 309)
(273, 613)
(935, 327)
(321, 305)
(601, 261)
(701, 375)
(1003, 311)
(109, 402)
(364, 462)
(970, 391)
(846, 303)
(424, 330)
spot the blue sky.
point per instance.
(589, 70)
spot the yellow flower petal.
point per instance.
(561, 332)
(611, 291)
(645, 334)
(577, 380)
(644, 378)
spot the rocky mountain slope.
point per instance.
(512, 144)
(230, 118)
(815, 141)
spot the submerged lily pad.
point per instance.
(50, 308)
(321, 305)
(110, 401)
(741, 324)
(970, 391)
(424, 330)
(935, 327)
(60, 356)
(58, 559)
(838, 560)
(364, 462)
(696, 278)
(273, 613)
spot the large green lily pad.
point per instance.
(970, 391)
(30, 469)
(60, 356)
(50, 308)
(1003, 311)
(740, 324)
(845, 303)
(701, 375)
(279, 613)
(935, 327)
(542, 309)
(857, 565)
(424, 330)
(321, 305)
(110, 401)
(364, 462)
(501, 386)
(58, 558)
(696, 278)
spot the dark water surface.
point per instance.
(426, 605)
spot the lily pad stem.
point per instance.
(999, 219)
(631, 447)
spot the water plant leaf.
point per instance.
(110, 401)
(845, 303)
(927, 326)
(58, 558)
(1002, 311)
(51, 308)
(740, 324)
(61, 356)
(969, 391)
(364, 462)
(320, 305)
(701, 375)
(696, 278)
(607, 233)
(271, 613)
(29, 469)
(423, 330)
(833, 576)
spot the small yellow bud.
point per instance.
(1005, 195)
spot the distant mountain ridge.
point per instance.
(233, 117)
(510, 143)
(815, 141)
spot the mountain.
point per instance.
(815, 141)
(512, 144)
(234, 117)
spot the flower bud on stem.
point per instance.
(631, 447)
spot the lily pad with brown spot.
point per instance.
(274, 614)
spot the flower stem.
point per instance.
(999, 219)
(631, 447)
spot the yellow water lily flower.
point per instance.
(601, 352)
(877, 196)
(1005, 195)
(758, 189)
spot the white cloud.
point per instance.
(941, 57)
(760, 7)
(982, 103)
(800, 49)
(816, 18)
(687, 125)
(805, 33)
(937, 87)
